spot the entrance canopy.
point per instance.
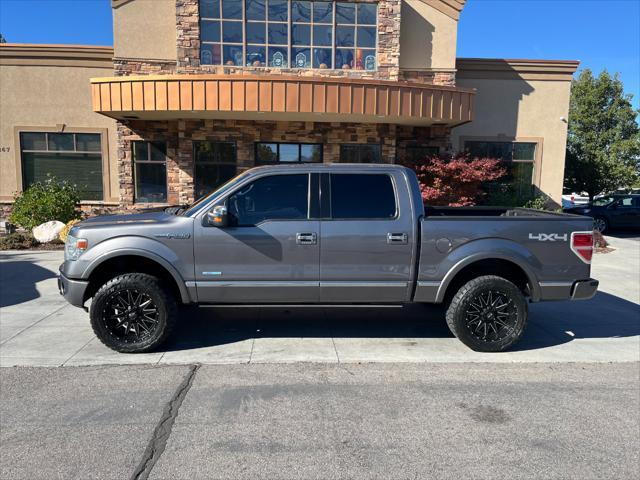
(281, 98)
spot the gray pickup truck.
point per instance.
(319, 234)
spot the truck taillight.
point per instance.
(582, 245)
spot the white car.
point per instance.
(571, 200)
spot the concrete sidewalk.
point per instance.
(38, 328)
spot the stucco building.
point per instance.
(194, 91)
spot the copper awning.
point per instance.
(276, 97)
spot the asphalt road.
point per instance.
(321, 421)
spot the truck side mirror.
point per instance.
(217, 217)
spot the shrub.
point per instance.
(46, 201)
(17, 241)
(455, 180)
(537, 203)
(65, 231)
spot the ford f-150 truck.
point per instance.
(318, 234)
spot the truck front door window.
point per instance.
(278, 197)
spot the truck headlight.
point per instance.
(74, 247)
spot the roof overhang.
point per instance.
(516, 69)
(281, 98)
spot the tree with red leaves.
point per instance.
(455, 181)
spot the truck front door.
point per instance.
(367, 238)
(269, 253)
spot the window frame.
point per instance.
(196, 162)
(104, 154)
(359, 145)
(290, 61)
(135, 162)
(327, 210)
(310, 199)
(279, 162)
(412, 148)
(536, 175)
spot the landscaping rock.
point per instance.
(48, 232)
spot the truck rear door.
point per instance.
(366, 238)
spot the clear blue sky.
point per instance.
(599, 33)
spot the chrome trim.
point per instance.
(363, 284)
(429, 284)
(555, 284)
(240, 283)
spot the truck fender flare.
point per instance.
(140, 252)
(512, 257)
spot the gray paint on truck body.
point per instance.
(352, 261)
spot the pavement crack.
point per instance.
(161, 434)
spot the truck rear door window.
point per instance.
(362, 196)
(277, 197)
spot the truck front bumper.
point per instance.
(584, 289)
(72, 290)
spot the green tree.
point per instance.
(603, 144)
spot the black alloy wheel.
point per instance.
(133, 313)
(130, 315)
(488, 314)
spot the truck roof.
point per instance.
(319, 167)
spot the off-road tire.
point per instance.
(459, 310)
(150, 286)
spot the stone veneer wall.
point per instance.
(429, 76)
(180, 135)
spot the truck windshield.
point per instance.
(194, 207)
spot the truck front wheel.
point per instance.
(133, 313)
(488, 314)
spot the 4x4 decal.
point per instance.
(548, 237)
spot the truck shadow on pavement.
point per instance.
(18, 281)
(604, 316)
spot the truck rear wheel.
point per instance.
(133, 313)
(488, 314)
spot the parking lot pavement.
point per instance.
(321, 421)
(93, 422)
(38, 328)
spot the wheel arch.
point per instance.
(121, 261)
(505, 266)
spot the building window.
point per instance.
(289, 33)
(357, 153)
(150, 172)
(416, 153)
(271, 153)
(75, 157)
(215, 163)
(518, 157)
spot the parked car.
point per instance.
(609, 212)
(325, 234)
(570, 200)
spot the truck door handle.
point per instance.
(397, 238)
(306, 238)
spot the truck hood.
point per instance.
(130, 219)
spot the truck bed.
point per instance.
(537, 242)
(489, 212)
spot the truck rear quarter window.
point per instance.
(362, 196)
(276, 197)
